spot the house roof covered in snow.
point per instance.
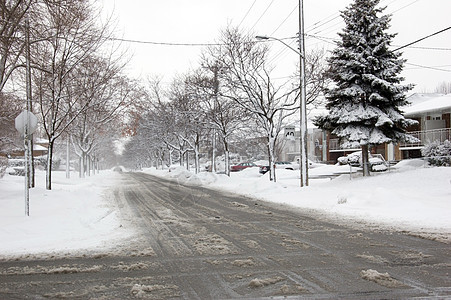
(422, 103)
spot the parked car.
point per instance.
(242, 166)
(279, 165)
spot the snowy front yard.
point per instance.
(77, 215)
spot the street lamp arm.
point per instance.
(263, 37)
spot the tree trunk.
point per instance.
(196, 155)
(196, 159)
(82, 165)
(187, 160)
(31, 180)
(227, 157)
(272, 163)
(88, 168)
(365, 161)
(67, 159)
(213, 152)
(48, 174)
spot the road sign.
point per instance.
(26, 123)
(289, 133)
(26, 120)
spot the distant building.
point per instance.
(39, 149)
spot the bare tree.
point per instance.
(104, 95)
(248, 83)
(188, 115)
(12, 44)
(10, 107)
(222, 115)
(315, 79)
(75, 36)
(443, 88)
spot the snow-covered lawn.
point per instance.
(76, 215)
(409, 197)
(79, 215)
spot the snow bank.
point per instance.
(410, 196)
(75, 215)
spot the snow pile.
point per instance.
(383, 279)
(75, 215)
(258, 282)
(155, 291)
(410, 196)
(183, 176)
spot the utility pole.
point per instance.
(303, 160)
(215, 99)
(303, 105)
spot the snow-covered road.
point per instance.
(197, 243)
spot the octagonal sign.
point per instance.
(26, 120)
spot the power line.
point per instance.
(428, 48)
(320, 23)
(407, 5)
(164, 43)
(247, 13)
(316, 26)
(427, 67)
(272, 1)
(283, 22)
(318, 37)
(419, 40)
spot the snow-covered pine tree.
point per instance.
(364, 102)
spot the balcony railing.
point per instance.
(428, 136)
(334, 145)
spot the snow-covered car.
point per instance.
(377, 161)
(279, 165)
(311, 164)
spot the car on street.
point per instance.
(242, 166)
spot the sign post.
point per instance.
(26, 123)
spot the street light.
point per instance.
(303, 161)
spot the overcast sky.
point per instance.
(200, 22)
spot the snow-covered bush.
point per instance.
(379, 168)
(353, 159)
(42, 161)
(342, 160)
(438, 154)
